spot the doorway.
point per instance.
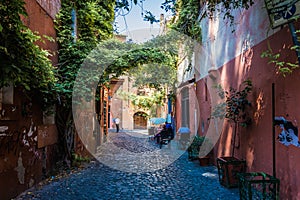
(140, 120)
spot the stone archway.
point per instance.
(140, 120)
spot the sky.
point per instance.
(135, 27)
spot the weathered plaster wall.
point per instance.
(22, 163)
(255, 142)
(234, 57)
(220, 44)
(42, 22)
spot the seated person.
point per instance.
(160, 134)
(170, 130)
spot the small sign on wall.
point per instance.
(282, 11)
(47, 135)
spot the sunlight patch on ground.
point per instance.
(210, 175)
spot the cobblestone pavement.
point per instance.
(182, 179)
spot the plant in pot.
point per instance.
(236, 107)
(194, 148)
(235, 110)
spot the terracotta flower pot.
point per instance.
(204, 161)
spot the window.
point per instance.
(185, 110)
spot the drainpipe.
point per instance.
(74, 25)
(295, 40)
(273, 130)
(169, 104)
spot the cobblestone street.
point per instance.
(182, 179)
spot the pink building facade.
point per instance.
(225, 59)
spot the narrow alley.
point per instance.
(182, 179)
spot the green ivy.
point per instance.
(187, 12)
(94, 24)
(23, 63)
(143, 101)
(187, 22)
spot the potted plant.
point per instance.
(236, 105)
(194, 148)
(228, 169)
(204, 161)
(235, 110)
(258, 185)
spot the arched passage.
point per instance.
(140, 120)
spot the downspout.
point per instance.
(295, 39)
(169, 104)
(273, 130)
(74, 25)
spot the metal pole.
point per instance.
(273, 130)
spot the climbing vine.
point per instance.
(23, 63)
(80, 25)
(94, 24)
(283, 67)
(89, 44)
(187, 22)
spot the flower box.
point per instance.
(228, 168)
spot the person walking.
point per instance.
(117, 122)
